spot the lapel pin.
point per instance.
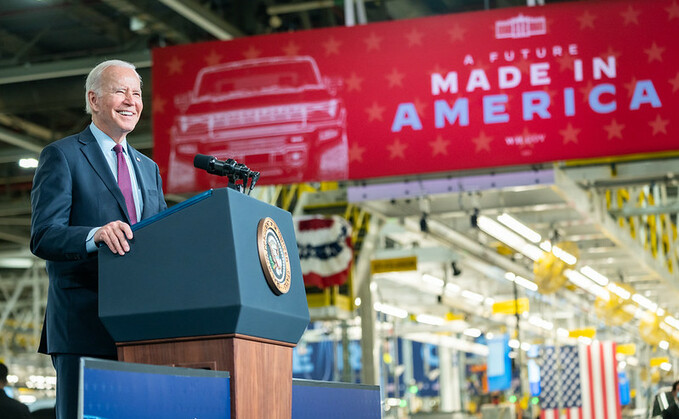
(138, 159)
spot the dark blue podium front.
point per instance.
(196, 272)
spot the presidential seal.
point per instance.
(273, 255)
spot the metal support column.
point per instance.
(369, 340)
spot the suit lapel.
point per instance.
(90, 148)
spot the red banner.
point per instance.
(503, 87)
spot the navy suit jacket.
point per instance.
(74, 191)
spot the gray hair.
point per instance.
(93, 82)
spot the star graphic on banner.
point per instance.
(586, 20)
(654, 52)
(614, 129)
(675, 83)
(158, 104)
(375, 112)
(291, 49)
(356, 153)
(420, 107)
(482, 142)
(585, 90)
(659, 125)
(672, 11)
(331, 46)
(213, 58)
(631, 86)
(440, 146)
(438, 70)
(565, 62)
(630, 15)
(395, 78)
(174, 66)
(570, 134)
(354, 82)
(456, 33)
(373, 42)
(414, 37)
(611, 52)
(252, 52)
(397, 149)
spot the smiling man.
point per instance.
(87, 191)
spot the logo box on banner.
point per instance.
(511, 86)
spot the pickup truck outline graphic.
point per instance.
(277, 115)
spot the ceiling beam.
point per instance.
(66, 68)
(633, 211)
(151, 21)
(590, 205)
(34, 130)
(140, 141)
(98, 22)
(14, 44)
(204, 18)
(23, 141)
(21, 238)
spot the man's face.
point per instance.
(117, 109)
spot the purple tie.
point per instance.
(125, 184)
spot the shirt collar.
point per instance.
(104, 141)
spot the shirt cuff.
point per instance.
(90, 245)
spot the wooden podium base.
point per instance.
(260, 369)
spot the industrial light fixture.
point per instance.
(519, 227)
(29, 163)
(644, 302)
(586, 284)
(478, 298)
(564, 255)
(391, 310)
(452, 288)
(508, 237)
(429, 319)
(619, 291)
(594, 276)
(519, 280)
(472, 332)
(672, 322)
(541, 323)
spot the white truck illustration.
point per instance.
(276, 115)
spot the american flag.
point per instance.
(580, 382)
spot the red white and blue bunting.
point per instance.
(325, 249)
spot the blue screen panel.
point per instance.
(110, 389)
(327, 400)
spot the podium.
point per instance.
(204, 286)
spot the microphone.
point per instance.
(214, 166)
(230, 168)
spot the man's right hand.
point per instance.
(115, 234)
